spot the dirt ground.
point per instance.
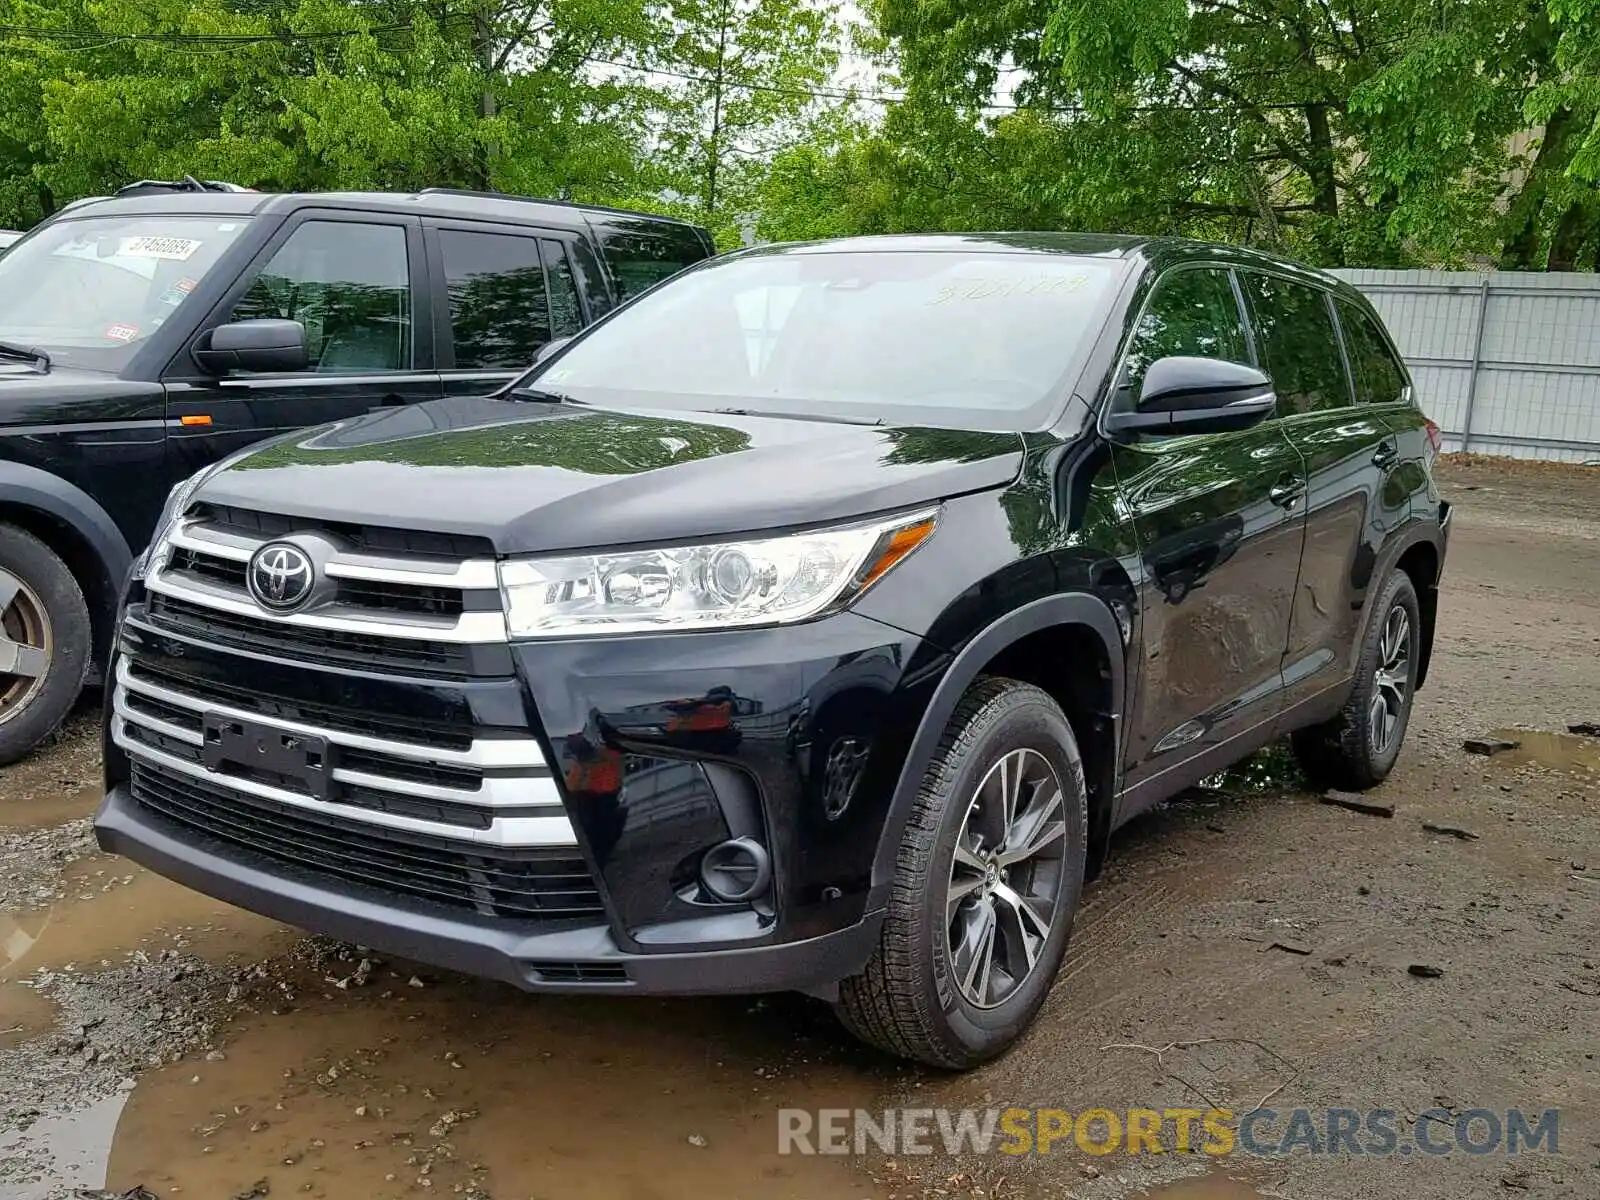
(1247, 944)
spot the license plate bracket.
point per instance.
(303, 762)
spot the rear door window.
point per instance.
(498, 297)
(1298, 341)
(643, 253)
(1379, 377)
(566, 311)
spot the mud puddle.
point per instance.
(78, 1144)
(112, 908)
(24, 1013)
(40, 810)
(460, 1086)
(1566, 752)
(1205, 1187)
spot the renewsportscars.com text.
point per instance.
(1263, 1132)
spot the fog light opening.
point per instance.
(736, 871)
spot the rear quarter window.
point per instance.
(643, 253)
(1379, 377)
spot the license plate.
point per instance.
(301, 763)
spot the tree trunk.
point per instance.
(714, 142)
(1324, 184)
(47, 200)
(1571, 233)
(483, 48)
(1521, 247)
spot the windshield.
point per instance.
(942, 338)
(91, 291)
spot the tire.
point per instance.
(920, 995)
(44, 630)
(1352, 751)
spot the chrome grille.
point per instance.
(518, 883)
(385, 603)
(491, 791)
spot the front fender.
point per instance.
(1073, 608)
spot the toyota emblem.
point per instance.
(280, 576)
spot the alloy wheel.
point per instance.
(25, 644)
(1393, 680)
(1005, 877)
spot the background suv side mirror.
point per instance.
(265, 345)
(1183, 394)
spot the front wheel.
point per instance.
(44, 642)
(1358, 748)
(986, 885)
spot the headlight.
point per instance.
(765, 581)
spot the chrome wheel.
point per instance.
(1005, 877)
(25, 644)
(1392, 690)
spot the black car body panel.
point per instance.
(558, 477)
(1185, 599)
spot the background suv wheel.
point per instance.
(1358, 748)
(986, 885)
(44, 641)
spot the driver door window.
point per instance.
(349, 284)
(1193, 312)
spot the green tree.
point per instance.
(321, 94)
(741, 78)
(1378, 132)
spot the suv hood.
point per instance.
(535, 477)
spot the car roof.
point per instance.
(432, 202)
(1155, 254)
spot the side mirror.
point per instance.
(266, 345)
(551, 349)
(1182, 394)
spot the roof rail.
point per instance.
(470, 193)
(187, 184)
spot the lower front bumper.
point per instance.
(583, 958)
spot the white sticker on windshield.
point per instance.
(173, 249)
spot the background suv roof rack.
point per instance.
(187, 184)
(473, 194)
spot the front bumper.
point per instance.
(584, 958)
(651, 743)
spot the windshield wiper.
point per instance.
(34, 355)
(544, 395)
(794, 416)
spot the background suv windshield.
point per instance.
(980, 340)
(90, 291)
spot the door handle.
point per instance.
(1286, 493)
(1386, 454)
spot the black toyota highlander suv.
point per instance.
(809, 623)
(147, 334)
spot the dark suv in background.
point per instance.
(146, 335)
(809, 623)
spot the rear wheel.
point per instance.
(986, 885)
(44, 642)
(1358, 748)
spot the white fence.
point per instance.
(1506, 363)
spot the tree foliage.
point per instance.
(1370, 132)
(1378, 132)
